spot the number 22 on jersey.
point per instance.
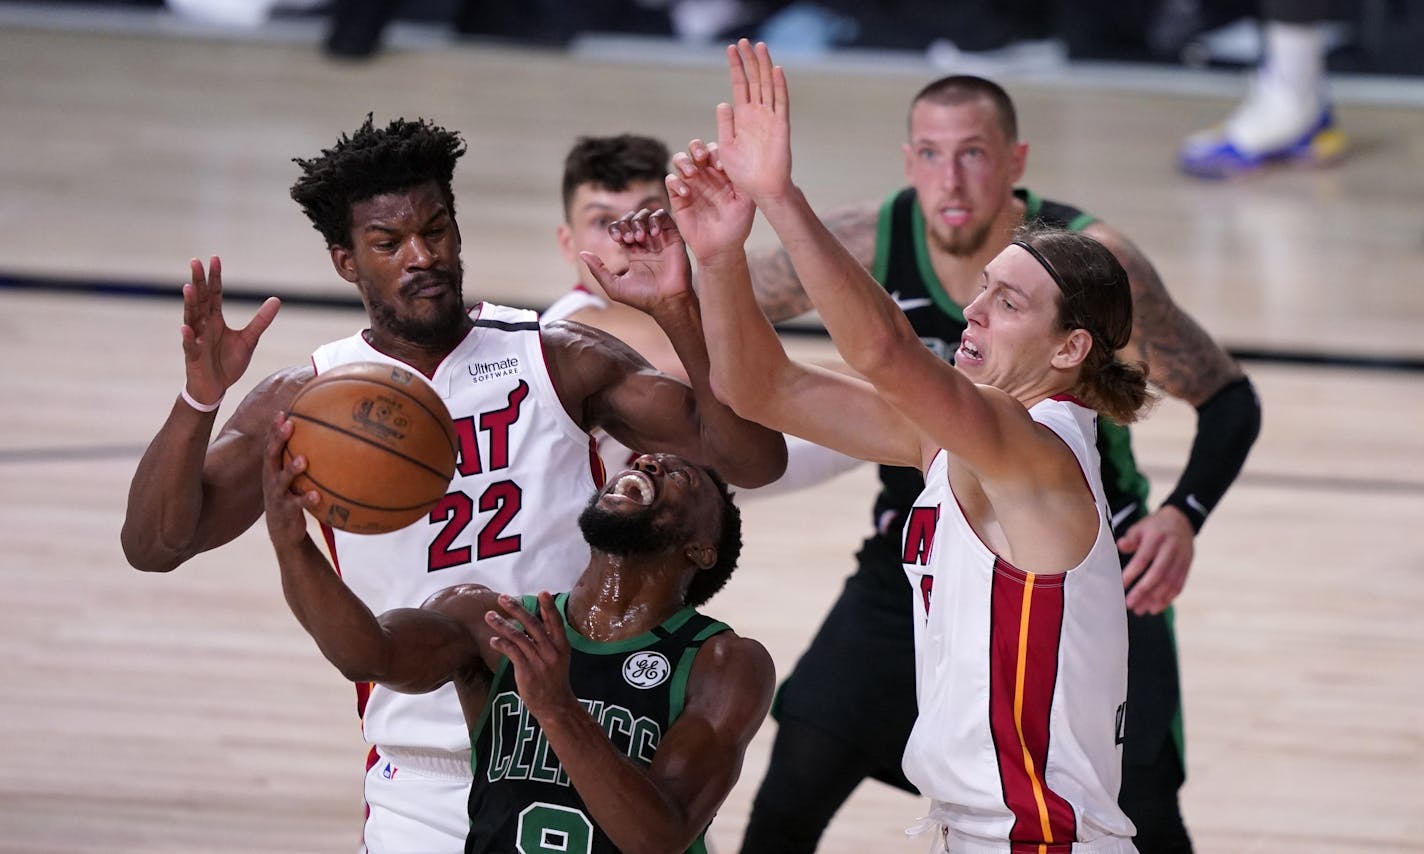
(501, 498)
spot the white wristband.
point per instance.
(201, 407)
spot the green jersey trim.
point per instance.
(1116, 444)
(883, 227)
(936, 290)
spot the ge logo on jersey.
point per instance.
(646, 669)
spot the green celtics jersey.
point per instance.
(521, 800)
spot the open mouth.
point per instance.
(954, 216)
(635, 486)
(968, 350)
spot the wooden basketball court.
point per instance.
(189, 712)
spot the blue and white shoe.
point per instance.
(1262, 134)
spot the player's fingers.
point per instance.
(747, 55)
(764, 75)
(738, 73)
(197, 302)
(662, 223)
(782, 95)
(1143, 596)
(639, 222)
(266, 313)
(1134, 568)
(215, 278)
(595, 266)
(197, 275)
(677, 190)
(510, 631)
(553, 623)
(697, 150)
(190, 342)
(726, 128)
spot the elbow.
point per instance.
(746, 398)
(142, 555)
(354, 672)
(753, 470)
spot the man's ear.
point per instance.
(1019, 156)
(1074, 350)
(565, 235)
(702, 556)
(345, 263)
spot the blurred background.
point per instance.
(189, 712)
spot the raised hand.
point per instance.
(712, 214)
(214, 354)
(658, 269)
(286, 523)
(754, 131)
(537, 649)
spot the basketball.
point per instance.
(379, 443)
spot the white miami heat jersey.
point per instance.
(524, 472)
(1021, 678)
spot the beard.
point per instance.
(447, 326)
(962, 242)
(617, 534)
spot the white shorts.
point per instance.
(417, 802)
(949, 841)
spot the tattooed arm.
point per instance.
(1184, 361)
(779, 291)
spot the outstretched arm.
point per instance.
(185, 496)
(869, 330)
(665, 806)
(1185, 362)
(407, 649)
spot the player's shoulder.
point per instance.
(730, 653)
(732, 681)
(585, 342)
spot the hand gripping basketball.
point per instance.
(379, 443)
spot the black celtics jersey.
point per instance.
(521, 799)
(902, 266)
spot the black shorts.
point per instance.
(857, 678)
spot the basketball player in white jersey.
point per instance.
(523, 397)
(604, 178)
(1020, 621)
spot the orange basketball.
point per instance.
(379, 443)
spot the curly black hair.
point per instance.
(372, 162)
(729, 547)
